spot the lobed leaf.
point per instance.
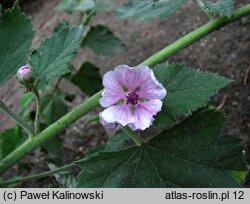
(148, 9)
(188, 89)
(24, 103)
(102, 41)
(10, 139)
(178, 157)
(51, 59)
(53, 107)
(16, 36)
(88, 79)
(101, 6)
(71, 6)
(53, 147)
(221, 7)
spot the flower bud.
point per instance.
(25, 75)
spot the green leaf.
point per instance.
(117, 141)
(85, 5)
(188, 89)
(221, 7)
(60, 26)
(178, 157)
(148, 9)
(10, 139)
(101, 6)
(66, 5)
(52, 58)
(102, 41)
(71, 6)
(53, 147)
(16, 37)
(88, 79)
(100, 148)
(220, 146)
(1, 12)
(24, 103)
(65, 178)
(53, 107)
(25, 100)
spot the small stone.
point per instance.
(235, 103)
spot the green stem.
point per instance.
(95, 118)
(89, 17)
(17, 119)
(138, 141)
(38, 110)
(57, 127)
(38, 176)
(196, 35)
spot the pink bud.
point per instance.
(25, 75)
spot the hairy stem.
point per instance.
(38, 110)
(17, 119)
(138, 141)
(213, 25)
(38, 176)
(57, 127)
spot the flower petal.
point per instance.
(145, 112)
(118, 113)
(110, 128)
(113, 91)
(150, 87)
(127, 76)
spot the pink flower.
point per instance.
(131, 96)
(110, 128)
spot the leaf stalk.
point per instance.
(38, 176)
(137, 140)
(38, 110)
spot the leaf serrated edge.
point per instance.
(184, 66)
(56, 34)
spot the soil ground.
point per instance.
(226, 52)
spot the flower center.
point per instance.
(132, 98)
